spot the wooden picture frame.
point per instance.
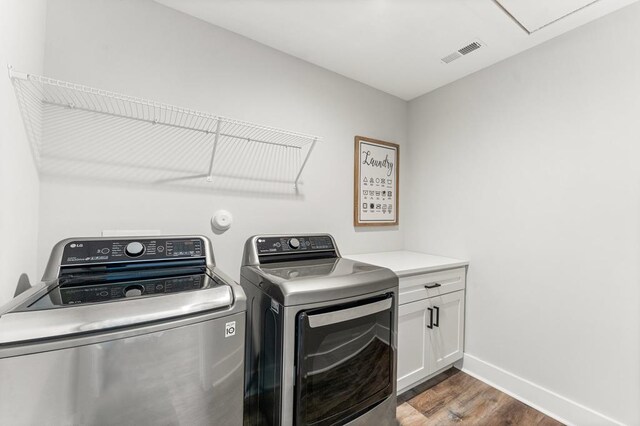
(376, 200)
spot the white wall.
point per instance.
(530, 170)
(144, 49)
(22, 30)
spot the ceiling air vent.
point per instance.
(470, 48)
(461, 52)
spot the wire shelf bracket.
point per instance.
(71, 126)
(213, 152)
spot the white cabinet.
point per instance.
(446, 337)
(424, 286)
(413, 352)
(430, 324)
(430, 336)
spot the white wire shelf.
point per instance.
(80, 131)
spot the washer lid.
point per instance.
(319, 280)
(39, 317)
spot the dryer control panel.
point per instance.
(289, 244)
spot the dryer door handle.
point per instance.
(343, 315)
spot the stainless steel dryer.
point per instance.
(321, 345)
(126, 331)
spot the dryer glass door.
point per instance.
(344, 360)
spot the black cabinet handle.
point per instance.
(430, 318)
(436, 285)
(437, 323)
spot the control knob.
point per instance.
(133, 291)
(294, 243)
(134, 249)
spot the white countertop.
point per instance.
(405, 263)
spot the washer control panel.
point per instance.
(291, 244)
(127, 250)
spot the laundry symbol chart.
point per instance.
(376, 183)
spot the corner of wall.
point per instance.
(22, 31)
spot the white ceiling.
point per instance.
(397, 45)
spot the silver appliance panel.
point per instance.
(188, 375)
(259, 303)
(59, 253)
(311, 281)
(252, 250)
(53, 323)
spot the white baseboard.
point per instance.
(548, 402)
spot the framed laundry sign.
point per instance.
(375, 194)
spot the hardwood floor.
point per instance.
(454, 397)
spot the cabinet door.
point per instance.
(446, 338)
(413, 361)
